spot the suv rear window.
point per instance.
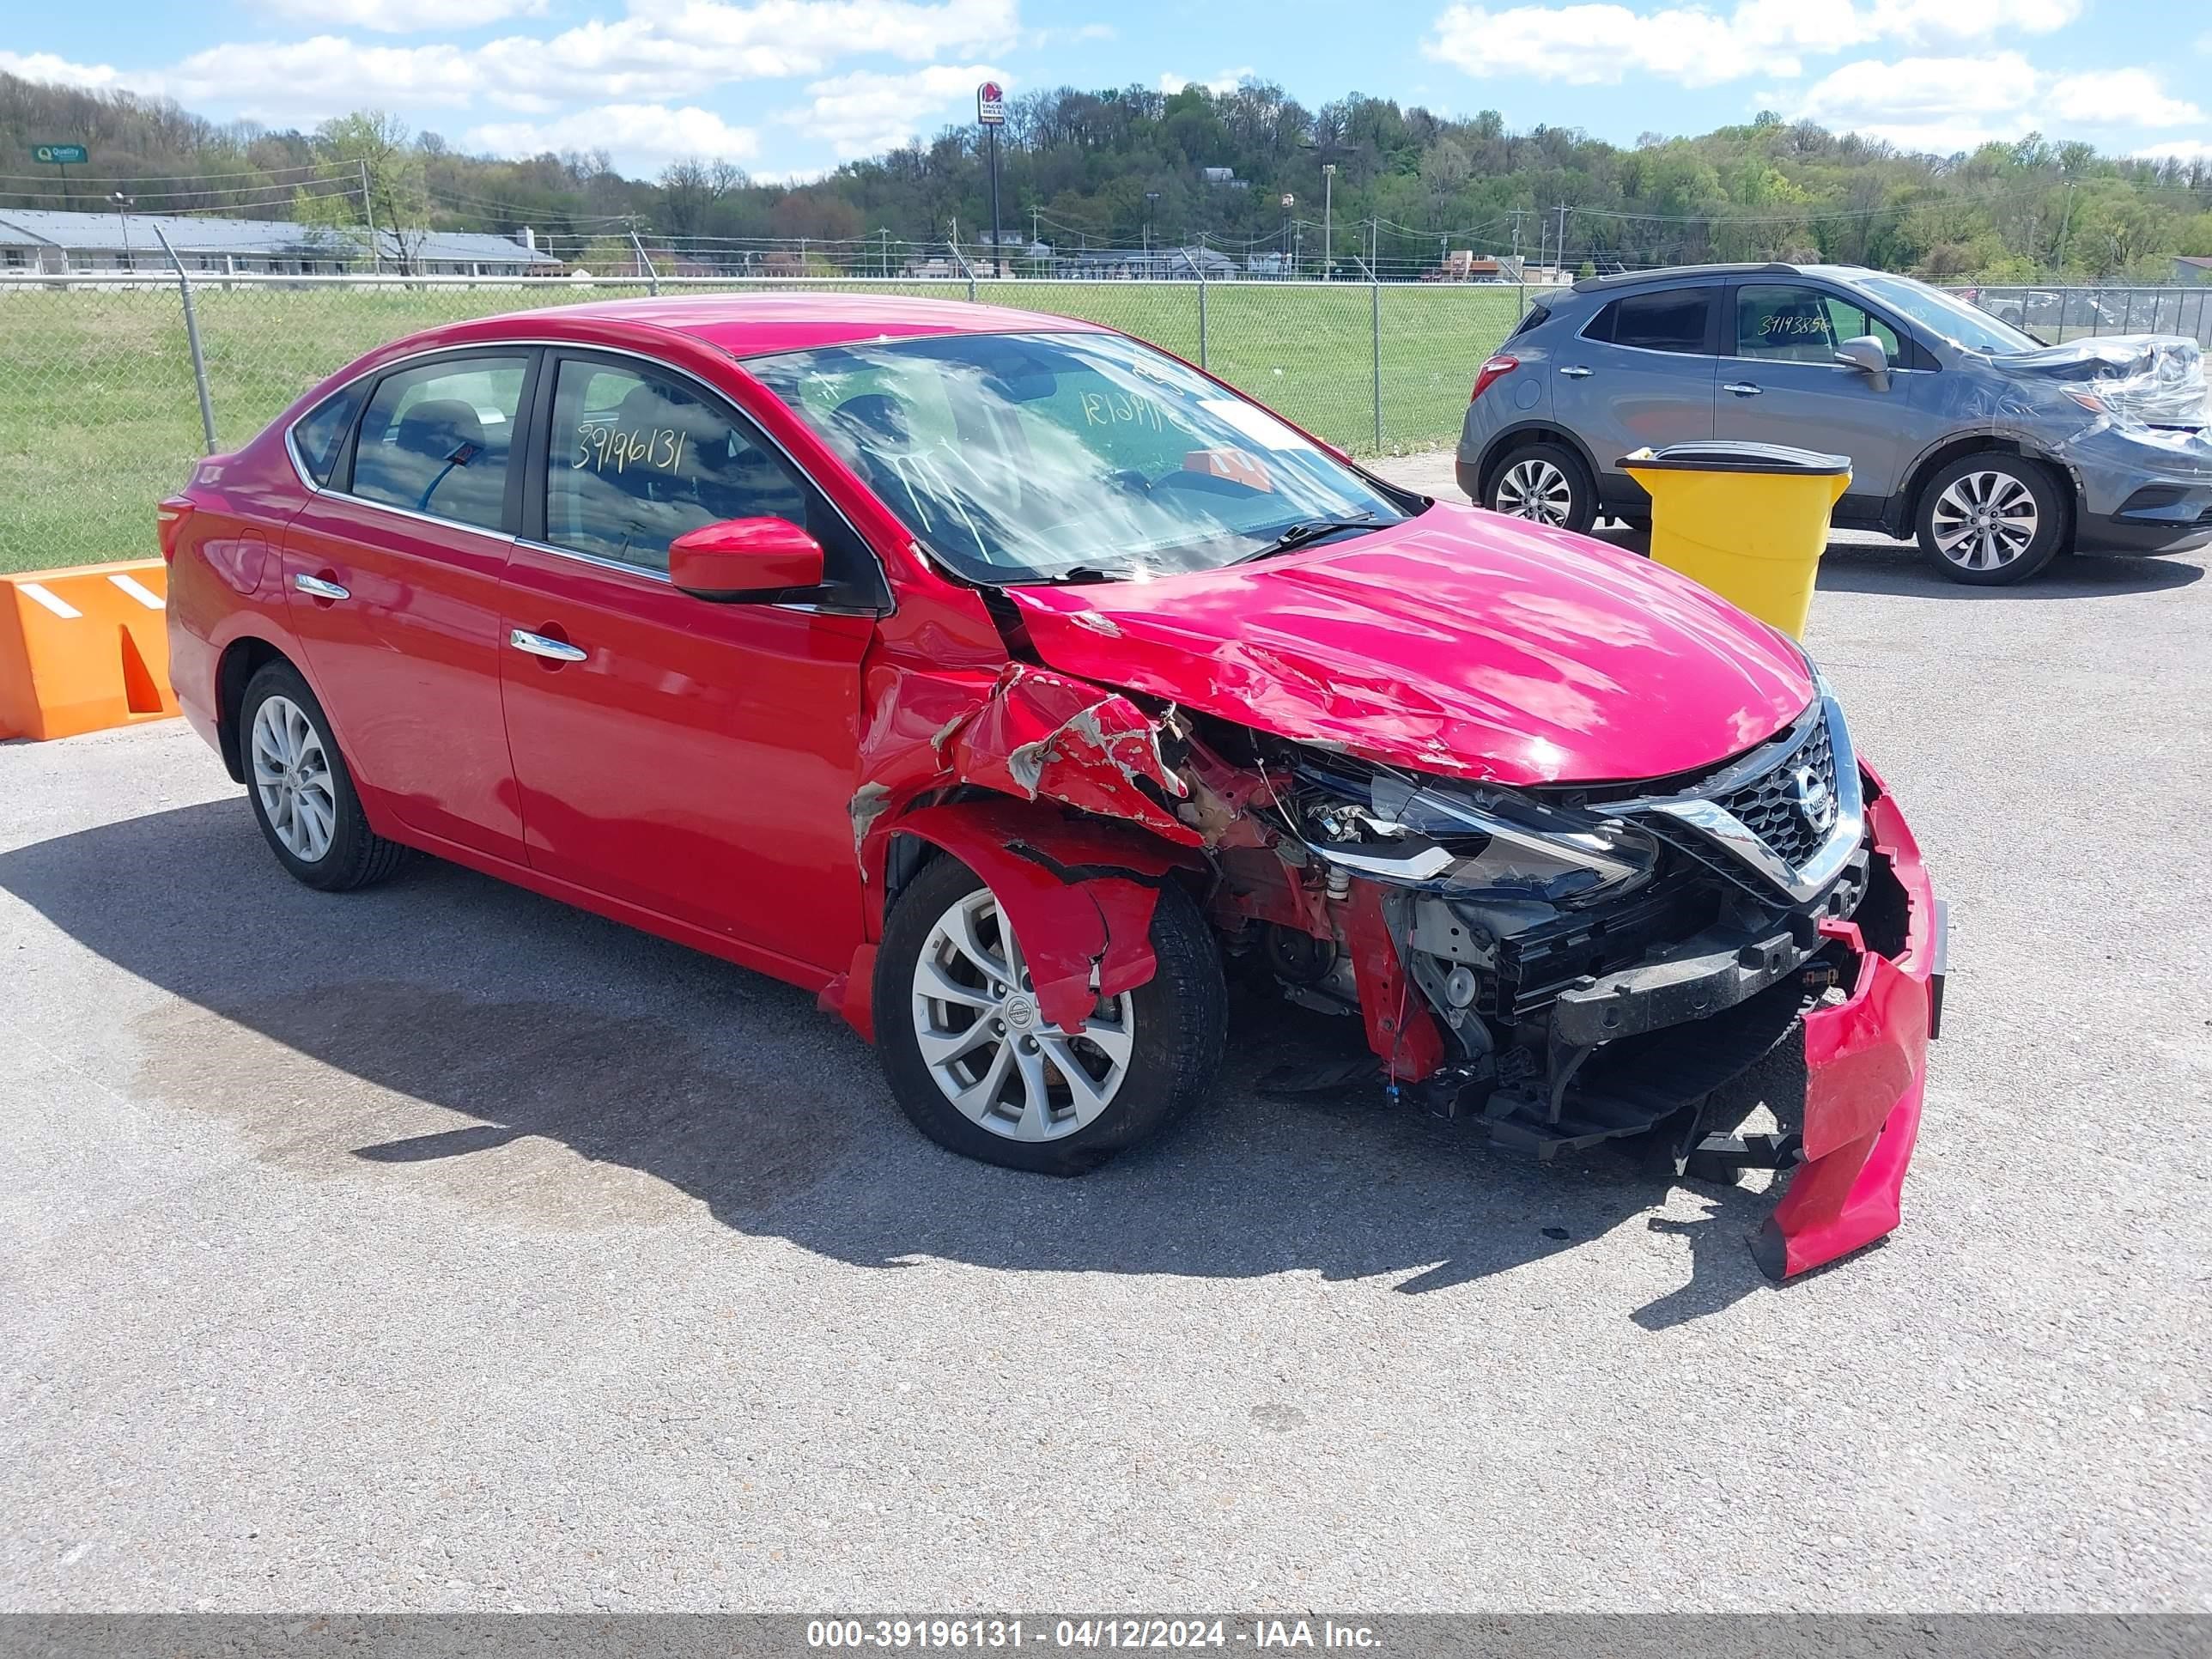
(1673, 319)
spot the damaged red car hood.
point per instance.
(1460, 642)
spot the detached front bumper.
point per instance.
(1866, 1065)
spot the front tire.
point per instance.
(1545, 485)
(301, 794)
(976, 1068)
(1992, 518)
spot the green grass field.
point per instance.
(99, 420)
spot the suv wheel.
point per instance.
(1544, 484)
(977, 1070)
(1991, 519)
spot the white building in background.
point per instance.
(34, 241)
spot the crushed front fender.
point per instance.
(1078, 893)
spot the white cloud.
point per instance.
(638, 136)
(1696, 44)
(2124, 97)
(402, 16)
(1941, 105)
(867, 111)
(45, 66)
(1920, 22)
(1040, 38)
(654, 53)
(1604, 45)
(1226, 82)
(2178, 149)
(325, 74)
(1946, 105)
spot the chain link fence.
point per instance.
(2057, 315)
(99, 416)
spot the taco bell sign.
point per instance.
(991, 105)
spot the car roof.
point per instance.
(1678, 273)
(756, 325)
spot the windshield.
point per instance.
(1023, 458)
(1949, 316)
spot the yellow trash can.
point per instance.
(1749, 521)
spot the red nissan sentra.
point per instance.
(1011, 683)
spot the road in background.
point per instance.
(439, 1247)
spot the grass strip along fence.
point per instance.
(99, 418)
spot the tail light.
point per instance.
(169, 517)
(1496, 368)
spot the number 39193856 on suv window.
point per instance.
(1012, 684)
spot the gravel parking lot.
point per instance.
(441, 1247)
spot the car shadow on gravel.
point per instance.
(460, 1041)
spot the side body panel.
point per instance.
(407, 665)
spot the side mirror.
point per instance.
(745, 559)
(1866, 355)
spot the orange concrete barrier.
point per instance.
(84, 649)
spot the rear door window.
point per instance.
(436, 438)
(1672, 319)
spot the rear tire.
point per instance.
(1152, 1053)
(300, 791)
(1992, 518)
(1544, 484)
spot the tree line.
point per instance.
(1115, 167)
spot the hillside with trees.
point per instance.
(1118, 167)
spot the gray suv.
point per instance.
(1994, 449)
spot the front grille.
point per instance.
(1769, 805)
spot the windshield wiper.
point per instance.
(1073, 576)
(1309, 529)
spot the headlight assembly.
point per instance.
(1463, 839)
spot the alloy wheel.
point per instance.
(1984, 520)
(1535, 489)
(292, 777)
(988, 1046)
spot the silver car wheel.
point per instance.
(1535, 489)
(987, 1045)
(1984, 520)
(292, 777)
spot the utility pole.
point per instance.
(368, 212)
(1327, 237)
(1152, 203)
(1563, 240)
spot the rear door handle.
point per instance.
(321, 589)
(539, 646)
(1578, 372)
(1742, 388)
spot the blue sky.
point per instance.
(791, 87)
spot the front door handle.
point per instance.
(1576, 372)
(1742, 388)
(321, 589)
(539, 646)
